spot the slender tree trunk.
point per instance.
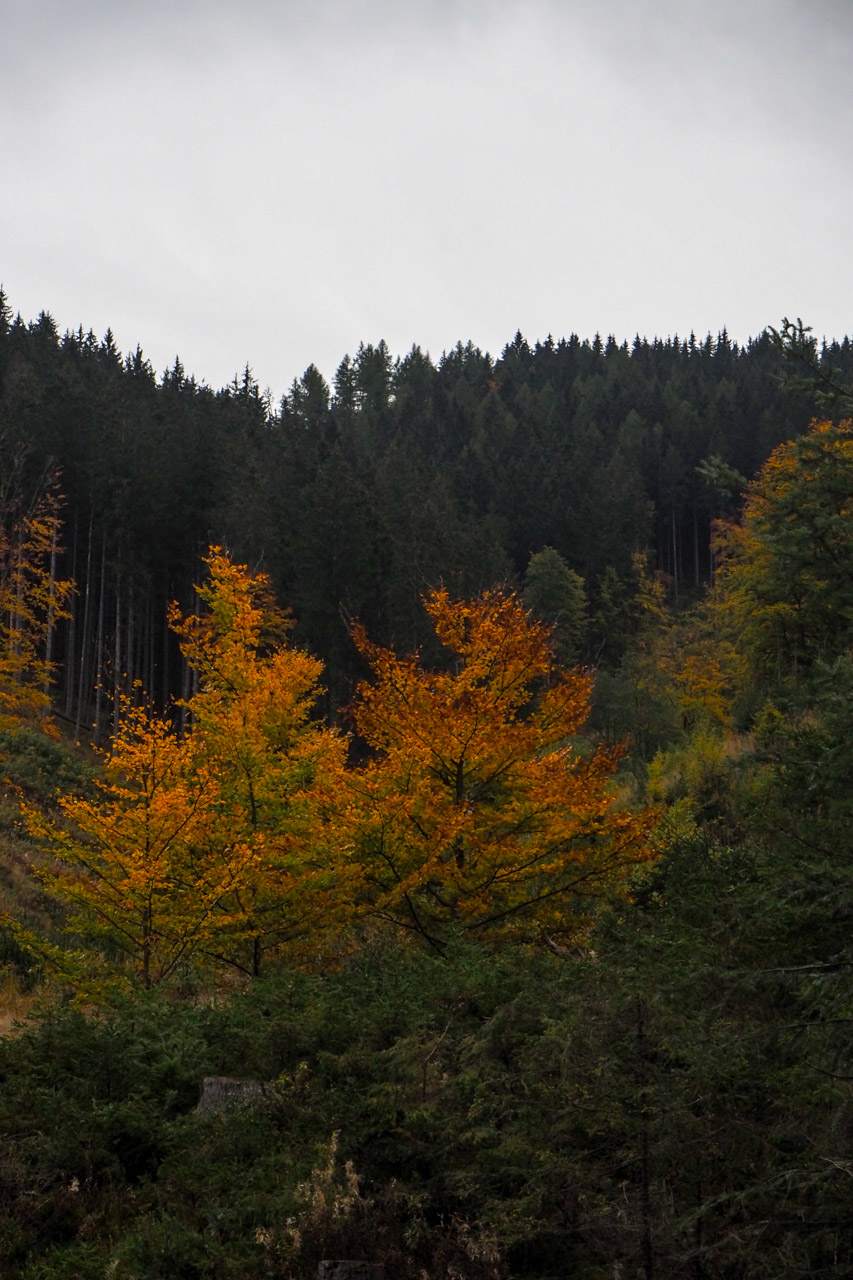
(85, 635)
(99, 643)
(51, 609)
(166, 635)
(72, 628)
(131, 653)
(195, 685)
(679, 542)
(150, 654)
(117, 659)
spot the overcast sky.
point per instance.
(277, 182)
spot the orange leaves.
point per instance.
(276, 767)
(482, 808)
(216, 847)
(451, 716)
(240, 618)
(248, 836)
(143, 866)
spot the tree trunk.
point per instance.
(165, 699)
(150, 654)
(117, 658)
(85, 636)
(51, 609)
(72, 629)
(99, 643)
(131, 650)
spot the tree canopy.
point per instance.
(483, 807)
(786, 570)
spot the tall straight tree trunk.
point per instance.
(69, 667)
(150, 654)
(117, 659)
(99, 643)
(132, 642)
(166, 635)
(84, 638)
(51, 609)
(142, 656)
(189, 683)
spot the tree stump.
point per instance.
(220, 1094)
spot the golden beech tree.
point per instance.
(481, 809)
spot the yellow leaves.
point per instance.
(249, 836)
(217, 846)
(240, 620)
(32, 600)
(480, 807)
(278, 768)
(143, 865)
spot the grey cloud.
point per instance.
(276, 182)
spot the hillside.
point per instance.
(520, 908)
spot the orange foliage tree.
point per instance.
(216, 846)
(279, 769)
(143, 866)
(481, 808)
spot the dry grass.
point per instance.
(15, 1003)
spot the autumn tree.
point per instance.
(277, 767)
(32, 598)
(216, 845)
(482, 808)
(143, 867)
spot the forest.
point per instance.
(456, 755)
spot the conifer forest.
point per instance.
(448, 769)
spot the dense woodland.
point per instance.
(404, 476)
(471, 766)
